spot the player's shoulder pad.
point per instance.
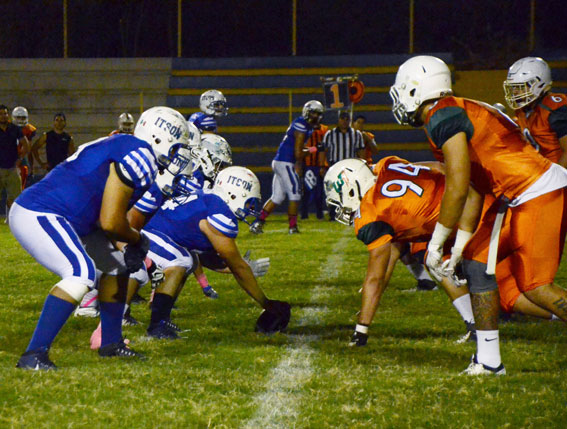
(219, 215)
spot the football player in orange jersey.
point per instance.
(20, 118)
(396, 203)
(541, 114)
(483, 147)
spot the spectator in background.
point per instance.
(313, 171)
(370, 146)
(125, 124)
(11, 137)
(20, 118)
(340, 143)
(58, 144)
(213, 105)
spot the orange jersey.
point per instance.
(501, 161)
(29, 131)
(367, 150)
(403, 205)
(545, 124)
(315, 139)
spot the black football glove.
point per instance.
(274, 318)
(134, 254)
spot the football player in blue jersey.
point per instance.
(208, 223)
(213, 105)
(210, 156)
(69, 221)
(287, 166)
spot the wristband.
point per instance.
(363, 329)
(461, 240)
(439, 236)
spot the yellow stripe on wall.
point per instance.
(267, 91)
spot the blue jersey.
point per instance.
(180, 221)
(153, 198)
(74, 188)
(204, 122)
(286, 151)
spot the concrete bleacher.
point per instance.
(92, 92)
(265, 94)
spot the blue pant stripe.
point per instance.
(91, 272)
(60, 243)
(292, 178)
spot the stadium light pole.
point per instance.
(411, 12)
(65, 52)
(532, 25)
(294, 27)
(179, 47)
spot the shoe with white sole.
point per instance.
(476, 368)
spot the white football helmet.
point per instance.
(418, 80)
(240, 189)
(345, 184)
(126, 123)
(313, 111)
(215, 155)
(213, 102)
(166, 131)
(528, 79)
(20, 116)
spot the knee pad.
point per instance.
(75, 287)
(478, 280)
(141, 276)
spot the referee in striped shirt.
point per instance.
(340, 143)
(343, 141)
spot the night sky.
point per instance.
(480, 33)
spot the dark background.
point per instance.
(479, 33)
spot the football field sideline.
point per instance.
(279, 403)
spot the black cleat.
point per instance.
(164, 330)
(210, 292)
(294, 230)
(470, 336)
(426, 285)
(119, 349)
(257, 227)
(36, 360)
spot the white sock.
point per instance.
(126, 307)
(488, 348)
(464, 307)
(554, 317)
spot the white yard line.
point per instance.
(280, 402)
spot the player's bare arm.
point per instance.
(39, 143)
(562, 161)
(114, 207)
(457, 164)
(226, 248)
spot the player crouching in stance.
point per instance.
(69, 220)
(207, 222)
(481, 147)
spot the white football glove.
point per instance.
(449, 266)
(433, 262)
(435, 251)
(259, 266)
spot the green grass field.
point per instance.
(225, 375)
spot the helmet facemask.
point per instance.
(20, 116)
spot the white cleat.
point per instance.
(86, 312)
(476, 368)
